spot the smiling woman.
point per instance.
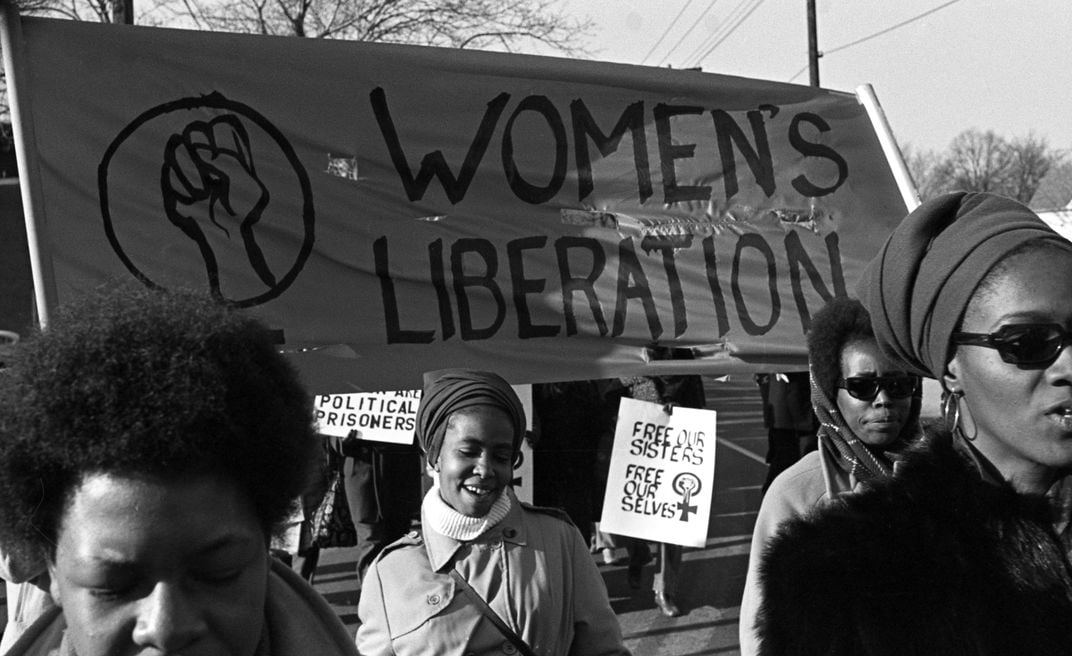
(489, 574)
(149, 444)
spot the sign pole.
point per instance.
(25, 151)
(866, 95)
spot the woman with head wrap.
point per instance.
(489, 574)
(868, 408)
(966, 549)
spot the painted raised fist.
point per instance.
(209, 185)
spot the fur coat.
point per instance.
(933, 561)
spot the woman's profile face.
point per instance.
(879, 421)
(1020, 416)
(476, 460)
(144, 565)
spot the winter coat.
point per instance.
(808, 484)
(931, 561)
(532, 568)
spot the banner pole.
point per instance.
(866, 95)
(44, 281)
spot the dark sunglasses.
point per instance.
(1021, 343)
(866, 388)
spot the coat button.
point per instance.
(509, 648)
(434, 599)
(510, 533)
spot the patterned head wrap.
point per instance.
(839, 442)
(918, 285)
(450, 390)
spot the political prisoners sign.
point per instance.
(377, 416)
(661, 477)
(393, 209)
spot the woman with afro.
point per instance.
(149, 444)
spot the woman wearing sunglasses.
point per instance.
(966, 549)
(868, 409)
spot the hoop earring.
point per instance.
(951, 407)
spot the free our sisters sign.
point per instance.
(660, 482)
(392, 209)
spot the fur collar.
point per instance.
(932, 561)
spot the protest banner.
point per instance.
(393, 209)
(662, 474)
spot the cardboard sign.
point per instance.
(662, 473)
(378, 416)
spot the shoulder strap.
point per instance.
(490, 613)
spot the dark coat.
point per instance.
(933, 561)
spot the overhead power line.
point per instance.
(667, 30)
(755, 6)
(716, 33)
(877, 34)
(687, 32)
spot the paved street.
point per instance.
(712, 578)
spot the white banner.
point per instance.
(662, 474)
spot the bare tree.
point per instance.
(490, 24)
(1032, 159)
(100, 11)
(977, 161)
(923, 166)
(984, 161)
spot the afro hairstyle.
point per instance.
(143, 383)
(837, 324)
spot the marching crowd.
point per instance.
(152, 444)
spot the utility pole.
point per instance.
(813, 45)
(123, 12)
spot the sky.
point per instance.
(1001, 65)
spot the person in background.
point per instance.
(788, 417)
(25, 575)
(965, 550)
(150, 442)
(611, 391)
(27, 597)
(564, 444)
(870, 413)
(488, 574)
(383, 491)
(668, 391)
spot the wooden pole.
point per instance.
(813, 45)
(123, 12)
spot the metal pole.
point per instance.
(813, 45)
(866, 94)
(25, 150)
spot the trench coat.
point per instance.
(533, 568)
